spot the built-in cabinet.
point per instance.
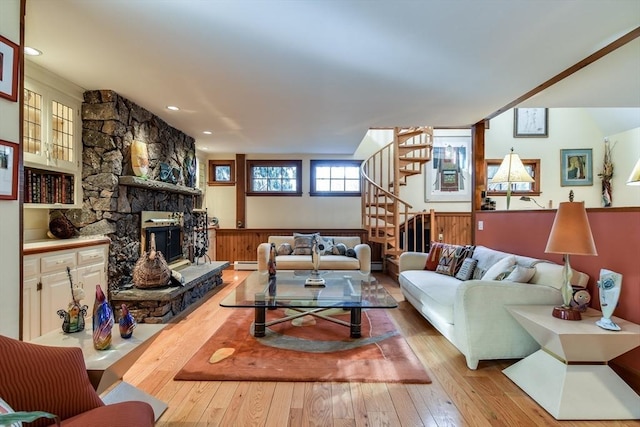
(52, 140)
(46, 285)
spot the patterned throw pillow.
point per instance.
(452, 257)
(433, 257)
(302, 243)
(284, 249)
(327, 245)
(466, 270)
(339, 249)
(6, 409)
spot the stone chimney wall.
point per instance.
(110, 123)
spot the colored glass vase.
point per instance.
(102, 321)
(127, 323)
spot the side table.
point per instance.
(569, 376)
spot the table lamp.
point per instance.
(570, 235)
(511, 170)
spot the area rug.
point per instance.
(306, 349)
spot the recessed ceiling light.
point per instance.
(173, 108)
(207, 132)
(32, 51)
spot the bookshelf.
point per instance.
(46, 188)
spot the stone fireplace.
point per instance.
(114, 199)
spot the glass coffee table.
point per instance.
(348, 290)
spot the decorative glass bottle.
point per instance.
(127, 322)
(272, 261)
(102, 321)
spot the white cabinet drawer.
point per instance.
(91, 256)
(30, 267)
(51, 263)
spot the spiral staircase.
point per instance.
(384, 213)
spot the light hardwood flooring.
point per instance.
(456, 397)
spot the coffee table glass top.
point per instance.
(346, 289)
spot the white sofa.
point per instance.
(328, 261)
(472, 314)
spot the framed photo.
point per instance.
(448, 174)
(576, 167)
(530, 122)
(8, 170)
(8, 69)
(222, 172)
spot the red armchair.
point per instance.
(55, 380)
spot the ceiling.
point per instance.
(311, 76)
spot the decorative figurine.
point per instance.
(609, 286)
(127, 322)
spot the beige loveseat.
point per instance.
(472, 313)
(340, 253)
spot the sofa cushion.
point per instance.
(466, 270)
(348, 241)
(130, 413)
(521, 274)
(499, 268)
(433, 290)
(433, 257)
(302, 243)
(284, 249)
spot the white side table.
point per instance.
(569, 377)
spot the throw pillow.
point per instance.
(462, 253)
(521, 274)
(499, 267)
(447, 262)
(302, 243)
(284, 249)
(351, 253)
(6, 409)
(503, 275)
(466, 269)
(433, 257)
(326, 247)
(339, 249)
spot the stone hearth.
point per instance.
(162, 304)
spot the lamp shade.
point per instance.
(571, 233)
(634, 178)
(511, 170)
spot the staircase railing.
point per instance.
(384, 212)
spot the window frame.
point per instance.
(214, 164)
(332, 163)
(274, 163)
(535, 186)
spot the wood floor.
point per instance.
(456, 397)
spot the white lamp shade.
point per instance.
(634, 178)
(511, 170)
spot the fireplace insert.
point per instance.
(168, 241)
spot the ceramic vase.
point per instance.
(127, 323)
(609, 285)
(102, 321)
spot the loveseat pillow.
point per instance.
(521, 274)
(339, 249)
(452, 257)
(466, 269)
(499, 268)
(302, 243)
(433, 257)
(284, 249)
(326, 247)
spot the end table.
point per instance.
(569, 376)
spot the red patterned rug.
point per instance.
(306, 349)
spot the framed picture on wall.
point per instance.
(576, 167)
(448, 174)
(222, 172)
(8, 69)
(8, 170)
(530, 122)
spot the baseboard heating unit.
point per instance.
(245, 265)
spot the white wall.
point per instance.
(10, 251)
(569, 128)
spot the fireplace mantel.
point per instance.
(135, 181)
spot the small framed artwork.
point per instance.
(8, 170)
(576, 167)
(222, 172)
(448, 174)
(530, 122)
(8, 69)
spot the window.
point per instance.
(335, 178)
(222, 172)
(274, 177)
(522, 188)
